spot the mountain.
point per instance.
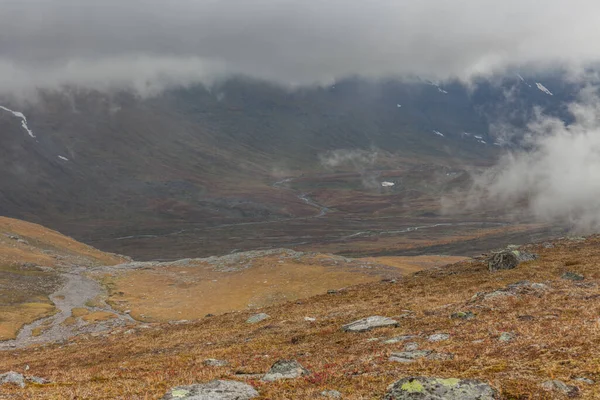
(120, 171)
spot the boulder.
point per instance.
(332, 394)
(438, 337)
(285, 369)
(422, 388)
(13, 378)
(502, 260)
(212, 362)
(560, 387)
(256, 318)
(572, 276)
(409, 356)
(214, 390)
(366, 324)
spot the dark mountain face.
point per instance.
(103, 166)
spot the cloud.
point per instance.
(151, 44)
(558, 179)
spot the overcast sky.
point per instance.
(150, 43)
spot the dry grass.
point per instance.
(558, 340)
(12, 318)
(174, 292)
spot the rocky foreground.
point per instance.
(523, 325)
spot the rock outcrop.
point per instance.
(214, 390)
(422, 388)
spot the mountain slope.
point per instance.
(530, 325)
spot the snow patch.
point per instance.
(442, 90)
(520, 77)
(543, 88)
(387, 184)
(63, 158)
(482, 141)
(398, 105)
(478, 137)
(23, 120)
(438, 133)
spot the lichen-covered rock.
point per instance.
(13, 378)
(462, 315)
(332, 394)
(214, 390)
(366, 324)
(572, 276)
(438, 337)
(399, 339)
(506, 337)
(558, 386)
(502, 260)
(422, 388)
(212, 362)
(256, 318)
(285, 369)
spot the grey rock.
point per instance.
(285, 369)
(506, 337)
(509, 259)
(332, 394)
(366, 324)
(502, 260)
(572, 276)
(438, 337)
(558, 386)
(256, 318)
(409, 356)
(12, 377)
(548, 245)
(411, 346)
(585, 380)
(37, 380)
(399, 339)
(422, 388)
(212, 362)
(214, 390)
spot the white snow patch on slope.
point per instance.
(543, 88)
(442, 90)
(387, 184)
(438, 133)
(520, 77)
(398, 105)
(478, 137)
(23, 120)
(63, 158)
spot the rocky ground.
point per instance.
(471, 330)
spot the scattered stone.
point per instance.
(585, 380)
(502, 260)
(214, 390)
(209, 315)
(438, 337)
(333, 394)
(310, 319)
(366, 324)
(37, 380)
(285, 369)
(332, 291)
(256, 318)
(462, 315)
(12, 377)
(506, 337)
(572, 276)
(422, 388)
(409, 356)
(212, 362)
(411, 346)
(548, 245)
(558, 386)
(373, 339)
(399, 339)
(515, 289)
(509, 259)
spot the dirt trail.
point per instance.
(75, 293)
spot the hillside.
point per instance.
(515, 329)
(130, 174)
